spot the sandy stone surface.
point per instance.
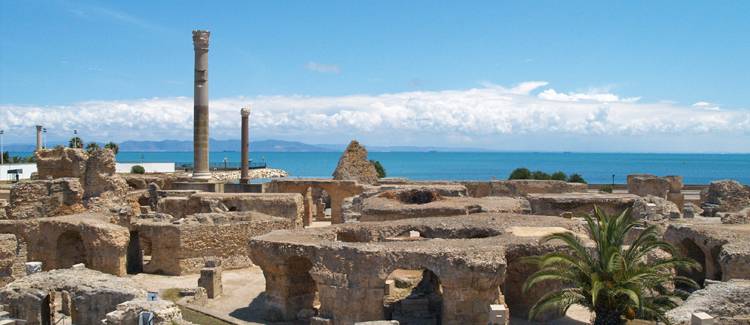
(241, 299)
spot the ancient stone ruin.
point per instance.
(82, 244)
(354, 165)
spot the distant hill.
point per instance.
(256, 146)
(220, 145)
(341, 147)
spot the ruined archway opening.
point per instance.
(323, 206)
(134, 260)
(413, 297)
(70, 249)
(146, 251)
(302, 293)
(691, 250)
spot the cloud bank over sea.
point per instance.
(493, 116)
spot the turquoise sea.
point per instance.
(595, 167)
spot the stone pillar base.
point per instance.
(203, 175)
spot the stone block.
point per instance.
(676, 198)
(644, 185)
(498, 315)
(65, 307)
(210, 279)
(320, 321)
(33, 267)
(701, 319)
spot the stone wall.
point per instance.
(183, 248)
(8, 258)
(46, 198)
(722, 250)
(59, 242)
(346, 266)
(93, 294)
(61, 162)
(338, 191)
(579, 203)
(521, 187)
(282, 205)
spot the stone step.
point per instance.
(7, 322)
(4, 314)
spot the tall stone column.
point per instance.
(245, 171)
(200, 106)
(38, 137)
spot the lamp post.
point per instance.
(75, 139)
(44, 138)
(2, 156)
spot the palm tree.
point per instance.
(75, 142)
(112, 146)
(610, 279)
(92, 146)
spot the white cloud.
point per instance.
(483, 114)
(707, 106)
(595, 95)
(322, 68)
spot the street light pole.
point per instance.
(2, 156)
(44, 138)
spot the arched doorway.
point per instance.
(691, 250)
(302, 292)
(135, 254)
(413, 297)
(70, 249)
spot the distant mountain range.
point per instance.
(256, 146)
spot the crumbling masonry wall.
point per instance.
(60, 242)
(183, 248)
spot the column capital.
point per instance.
(245, 111)
(200, 39)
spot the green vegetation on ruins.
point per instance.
(378, 168)
(525, 173)
(615, 281)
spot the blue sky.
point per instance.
(428, 72)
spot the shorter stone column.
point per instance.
(211, 279)
(38, 137)
(245, 155)
(309, 203)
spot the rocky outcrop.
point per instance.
(654, 208)
(725, 301)
(100, 175)
(354, 165)
(726, 196)
(46, 198)
(61, 162)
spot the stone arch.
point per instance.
(413, 296)
(516, 272)
(70, 249)
(690, 249)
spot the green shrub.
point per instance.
(520, 173)
(559, 176)
(540, 175)
(137, 169)
(379, 168)
(576, 178)
(606, 188)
